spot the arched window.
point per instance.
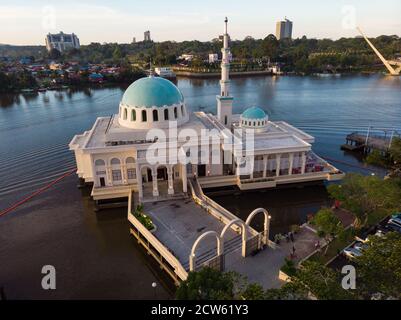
(155, 115)
(165, 114)
(133, 115)
(182, 110)
(258, 123)
(125, 113)
(175, 113)
(131, 171)
(144, 119)
(254, 123)
(225, 120)
(115, 161)
(99, 162)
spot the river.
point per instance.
(93, 253)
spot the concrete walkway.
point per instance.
(180, 222)
(264, 267)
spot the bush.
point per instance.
(289, 268)
(143, 218)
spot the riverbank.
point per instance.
(190, 74)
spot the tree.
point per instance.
(322, 282)
(395, 151)
(369, 198)
(54, 54)
(379, 268)
(328, 225)
(210, 284)
(289, 291)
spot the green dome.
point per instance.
(152, 92)
(253, 113)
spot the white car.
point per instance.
(352, 252)
(396, 219)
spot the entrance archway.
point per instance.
(240, 223)
(163, 174)
(192, 256)
(266, 225)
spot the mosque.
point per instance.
(114, 155)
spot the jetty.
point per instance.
(366, 143)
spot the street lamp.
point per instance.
(154, 285)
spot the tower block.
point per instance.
(224, 100)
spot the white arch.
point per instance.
(266, 224)
(194, 246)
(244, 235)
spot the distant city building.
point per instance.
(213, 57)
(146, 36)
(284, 29)
(133, 40)
(62, 41)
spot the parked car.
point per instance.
(393, 227)
(395, 219)
(360, 246)
(352, 252)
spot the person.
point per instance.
(293, 251)
(292, 236)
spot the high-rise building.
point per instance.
(62, 41)
(146, 36)
(284, 29)
(133, 40)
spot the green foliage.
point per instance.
(327, 222)
(143, 218)
(395, 151)
(253, 291)
(369, 198)
(289, 291)
(289, 267)
(377, 159)
(300, 55)
(379, 268)
(210, 284)
(13, 82)
(323, 282)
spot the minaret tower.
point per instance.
(224, 100)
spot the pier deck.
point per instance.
(356, 141)
(180, 223)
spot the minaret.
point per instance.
(224, 100)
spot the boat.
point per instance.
(165, 72)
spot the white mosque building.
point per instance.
(114, 153)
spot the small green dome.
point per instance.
(253, 113)
(152, 92)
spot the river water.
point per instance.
(93, 253)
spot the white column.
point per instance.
(278, 164)
(170, 180)
(155, 186)
(184, 177)
(252, 167)
(124, 174)
(303, 163)
(109, 176)
(264, 165)
(291, 163)
(140, 187)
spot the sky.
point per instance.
(27, 22)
